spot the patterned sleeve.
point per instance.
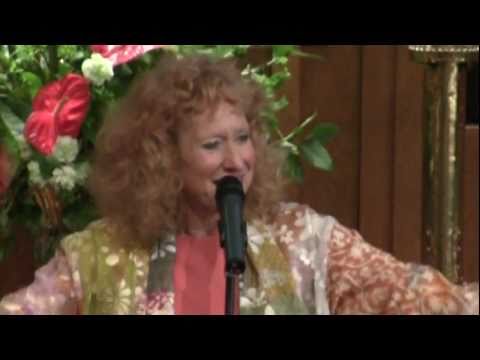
(51, 293)
(364, 280)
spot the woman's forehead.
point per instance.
(223, 114)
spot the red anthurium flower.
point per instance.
(59, 109)
(121, 54)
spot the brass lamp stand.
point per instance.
(442, 152)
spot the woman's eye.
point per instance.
(211, 145)
(244, 138)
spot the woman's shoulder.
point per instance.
(99, 232)
(298, 221)
(300, 215)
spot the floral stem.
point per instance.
(299, 129)
(53, 58)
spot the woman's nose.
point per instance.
(232, 160)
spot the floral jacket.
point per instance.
(301, 263)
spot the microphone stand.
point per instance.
(231, 295)
(233, 270)
(233, 237)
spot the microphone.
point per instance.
(232, 227)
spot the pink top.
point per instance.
(199, 276)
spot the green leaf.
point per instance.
(228, 51)
(280, 104)
(4, 57)
(281, 60)
(12, 147)
(316, 154)
(81, 54)
(303, 54)
(91, 127)
(33, 82)
(324, 132)
(194, 49)
(45, 69)
(12, 121)
(262, 79)
(64, 69)
(241, 50)
(278, 79)
(283, 50)
(293, 168)
(3, 78)
(224, 51)
(10, 129)
(69, 53)
(124, 70)
(20, 108)
(46, 164)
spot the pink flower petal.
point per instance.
(121, 54)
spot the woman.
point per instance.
(181, 128)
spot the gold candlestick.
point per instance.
(442, 150)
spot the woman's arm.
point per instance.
(364, 280)
(51, 293)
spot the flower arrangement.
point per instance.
(52, 102)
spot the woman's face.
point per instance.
(213, 145)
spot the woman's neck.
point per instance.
(200, 223)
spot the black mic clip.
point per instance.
(238, 265)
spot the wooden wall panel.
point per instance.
(376, 165)
(408, 159)
(332, 90)
(470, 200)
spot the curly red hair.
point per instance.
(134, 178)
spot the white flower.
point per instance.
(34, 174)
(25, 149)
(97, 69)
(82, 171)
(66, 149)
(64, 177)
